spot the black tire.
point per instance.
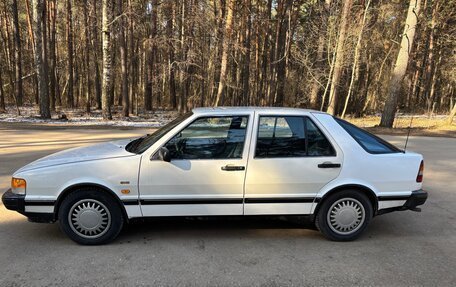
(327, 225)
(109, 220)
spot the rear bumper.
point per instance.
(16, 202)
(417, 198)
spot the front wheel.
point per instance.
(90, 217)
(343, 216)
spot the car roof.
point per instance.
(227, 110)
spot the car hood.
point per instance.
(99, 151)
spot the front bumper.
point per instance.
(16, 202)
(13, 201)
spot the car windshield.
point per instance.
(141, 144)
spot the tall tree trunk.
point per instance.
(133, 66)
(246, 59)
(17, 55)
(30, 26)
(356, 57)
(256, 68)
(114, 27)
(430, 63)
(39, 25)
(214, 51)
(423, 48)
(87, 56)
(69, 35)
(338, 65)
(189, 37)
(434, 78)
(412, 89)
(400, 67)
(273, 58)
(452, 115)
(283, 34)
(32, 41)
(316, 83)
(182, 101)
(171, 74)
(149, 58)
(52, 53)
(95, 53)
(154, 57)
(225, 47)
(265, 49)
(2, 95)
(328, 82)
(107, 60)
(123, 64)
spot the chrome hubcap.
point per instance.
(346, 216)
(89, 218)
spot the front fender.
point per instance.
(115, 174)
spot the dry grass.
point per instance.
(421, 125)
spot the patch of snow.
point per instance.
(78, 117)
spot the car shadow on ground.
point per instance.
(219, 228)
(260, 227)
(219, 223)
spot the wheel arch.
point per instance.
(362, 188)
(72, 188)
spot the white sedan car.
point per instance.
(224, 161)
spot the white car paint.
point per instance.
(193, 179)
(385, 174)
(293, 177)
(110, 166)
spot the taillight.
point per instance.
(419, 177)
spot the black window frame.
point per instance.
(205, 117)
(394, 149)
(160, 132)
(305, 119)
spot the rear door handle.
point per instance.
(232, 167)
(329, 165)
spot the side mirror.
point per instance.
(164, 155)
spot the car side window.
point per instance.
(317, 143)
(210, 138)
(368, 141)
(290, 136)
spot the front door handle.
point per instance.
(229, 167)
(329, 165)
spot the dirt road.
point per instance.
(402, 248)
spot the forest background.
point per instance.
(134, 58)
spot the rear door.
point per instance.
(291, 158)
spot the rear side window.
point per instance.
(291, 136)
(368, 141)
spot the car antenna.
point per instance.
(408, 133)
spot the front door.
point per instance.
(290, 160)
(206, 173)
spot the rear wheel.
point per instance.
(343, 216)
(90, 217)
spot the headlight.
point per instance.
(18, 185)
